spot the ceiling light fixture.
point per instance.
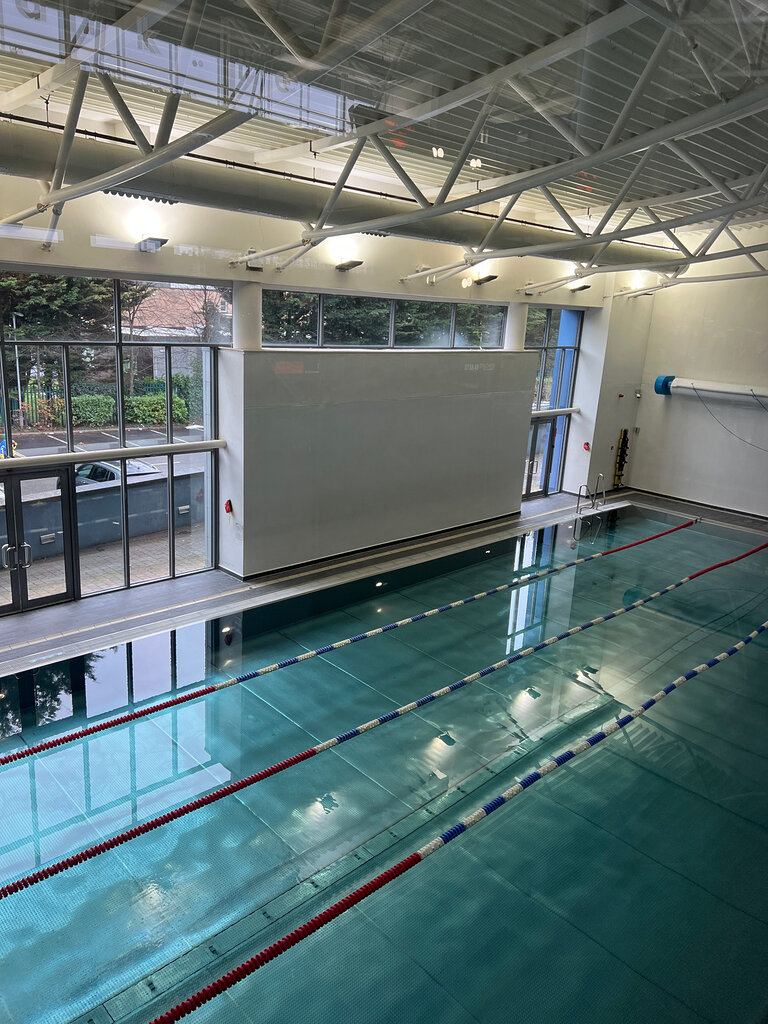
(579, 286)
(490, 277)
(475, 163)
(151, 244)
(349, 265)
(438, 152)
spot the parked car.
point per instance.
(89, 473)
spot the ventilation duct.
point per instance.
(30, 152)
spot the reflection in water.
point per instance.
(113, 779)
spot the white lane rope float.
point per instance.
(250, 780)
(314, 924)
(133, 716)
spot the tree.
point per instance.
(51, 308)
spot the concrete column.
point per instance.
(514, 329)
(246, 316)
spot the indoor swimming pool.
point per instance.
(627, 886)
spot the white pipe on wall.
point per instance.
(668, 384)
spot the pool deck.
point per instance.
(62, 631)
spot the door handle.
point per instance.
(4, 552)
(28, 560)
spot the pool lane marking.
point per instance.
(132, 716)
(314, 924)
(304, 755)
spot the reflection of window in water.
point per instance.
(124, 775)
(527, 603)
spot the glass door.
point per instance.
(538, 463)
(37, 552)
(7, 557)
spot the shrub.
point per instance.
(92, 410)
(147, 409)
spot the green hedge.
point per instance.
(93, 410)
(147, 409)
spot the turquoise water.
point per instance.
(628, 886)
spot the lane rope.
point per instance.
(314, 924)
(133, 716)
(235, 787)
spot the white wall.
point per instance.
(711, 331)
(333, 451)
(613, 346)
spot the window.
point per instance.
(423, 324)
(289, 318)
(479, 326)
(555, 333)
(88, 364)
(339, 321)
(355, 320)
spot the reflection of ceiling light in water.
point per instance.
(447, 739)
(533, 694)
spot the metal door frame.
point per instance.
(535, 425)
(11, 479)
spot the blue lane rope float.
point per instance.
(248, 967)
(132, 716)
(235, 787)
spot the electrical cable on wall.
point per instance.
(731, 432)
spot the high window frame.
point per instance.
(315, 309)
(197, 498)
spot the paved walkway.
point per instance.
(61, 631)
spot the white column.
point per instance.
(514, 329)
(246, 316)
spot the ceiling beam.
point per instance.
(544, 57)
(398, 171)
(741, 106)
(208, 132)
(557, 123)
(130, 122)
(726, 211)
(646, 75)
(280, 28)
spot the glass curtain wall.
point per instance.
(336, 321)
(555, 334)
(90, 364)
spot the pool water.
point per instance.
(628, 886)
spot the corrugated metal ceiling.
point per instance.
(435, 49)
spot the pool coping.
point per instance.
(345, 569)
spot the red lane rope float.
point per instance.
(248, 967)
(133, 716)
(234, 787)
(288, 941)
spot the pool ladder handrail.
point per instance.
(585, 493)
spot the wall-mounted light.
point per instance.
(151, 244)
(349, 265)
